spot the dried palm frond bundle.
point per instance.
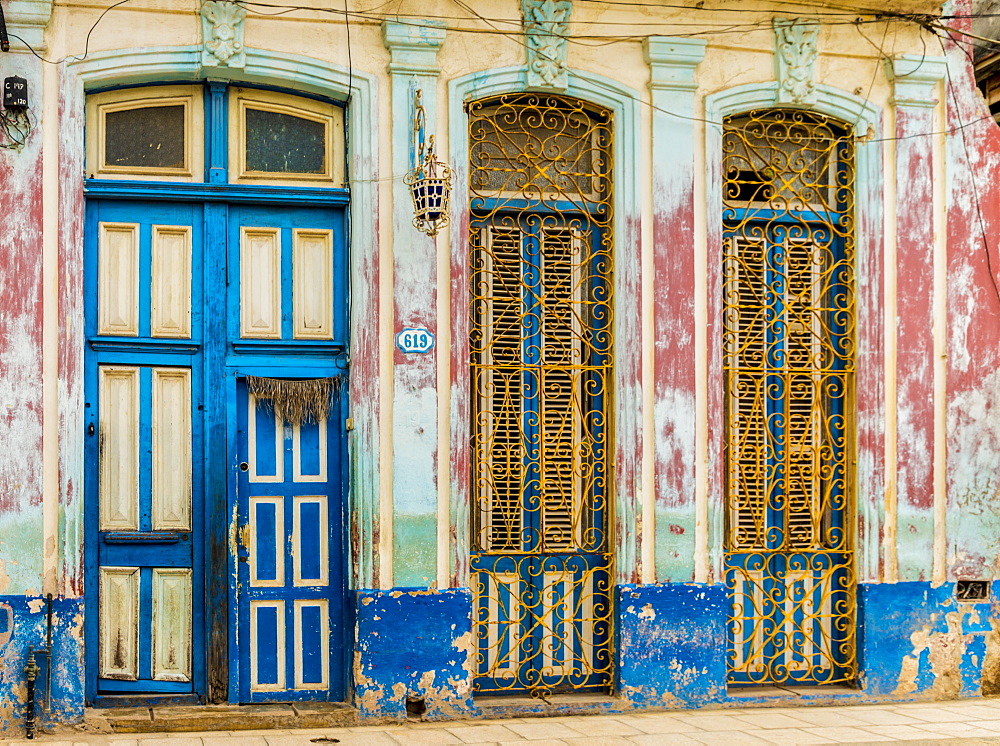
(296, 401)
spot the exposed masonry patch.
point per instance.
(945, 651)
(66, 696)
(991, 661)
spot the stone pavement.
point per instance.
(969, 721)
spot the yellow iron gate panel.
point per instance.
(788, 337)
(541, 355)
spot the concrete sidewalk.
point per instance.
(969, 721)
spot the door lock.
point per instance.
(244, 466)
(245, 535)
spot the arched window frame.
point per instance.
(788, 336)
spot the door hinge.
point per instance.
(349, 424)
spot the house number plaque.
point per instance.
(415, 339)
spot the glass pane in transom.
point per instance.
(280, 138)
(147, 137)
(281, 143)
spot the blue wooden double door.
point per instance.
(215, 521)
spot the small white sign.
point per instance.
(415, 339)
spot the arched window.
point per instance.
(788, 340)
(541, 354)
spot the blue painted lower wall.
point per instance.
(672, 643)
(23, 625)
(417, 645)
(915, 641)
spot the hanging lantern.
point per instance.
(429, 180)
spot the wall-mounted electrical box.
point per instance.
(972, 590)
(15, 93)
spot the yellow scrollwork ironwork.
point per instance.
(789, 330)
(541, 356)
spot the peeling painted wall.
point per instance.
(973, 322)
(414, 645)
(927, 435)
(917, 641)
(672, 641)
(64, 702)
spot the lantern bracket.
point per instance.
(429, 179)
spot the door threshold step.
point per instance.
(584, 703)
(118, 701)
(830, 691)
(219, 717)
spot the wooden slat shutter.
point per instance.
(750, 443)
(563, 450)
(499, 354)
(804, 416)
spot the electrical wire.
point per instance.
(349, 238)
(929, 23)
(950, 86)
(86, 46)
(880, 48)
(576, 38)
(350, 59)
(16, 124)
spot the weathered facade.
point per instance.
(689, 401)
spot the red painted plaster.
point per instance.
(627, 376)
(21, 320)
(870, 376)
(915, 314)
(365, 392)
(673, 329)
(973, 362)
(461, 457)
(70, 339)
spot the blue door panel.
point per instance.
(287, 486)
(300, 631)
(290, 593)
(287, 220)
(146, 214)
(144, 547)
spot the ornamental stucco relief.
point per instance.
(222, 33)
(795, 60)
(546, 26)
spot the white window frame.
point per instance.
(99, 105)
(332, 117)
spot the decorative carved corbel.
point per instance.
(546, 27)
(222, 33)
(795, 60)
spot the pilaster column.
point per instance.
(680, 550)
(410, 514)
(916, 97)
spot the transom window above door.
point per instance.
(158, 132)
